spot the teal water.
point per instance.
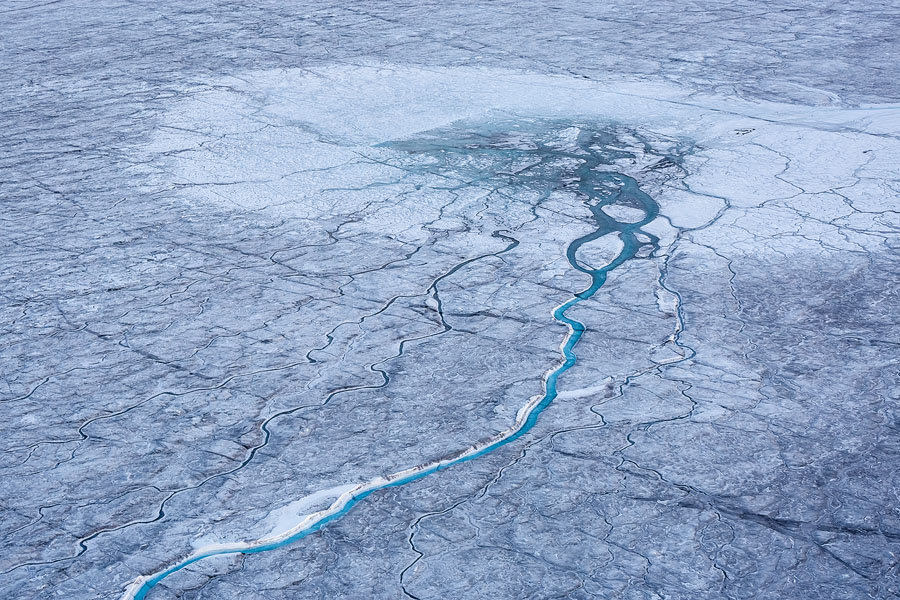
(595, 187)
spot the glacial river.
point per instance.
(596, 188)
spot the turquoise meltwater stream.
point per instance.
(596, 188)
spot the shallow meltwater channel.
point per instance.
(537, 159)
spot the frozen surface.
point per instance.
(261, 262)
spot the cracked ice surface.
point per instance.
(241, 283)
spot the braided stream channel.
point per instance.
(584, 166)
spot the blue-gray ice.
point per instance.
(449, 300)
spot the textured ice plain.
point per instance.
(749, 455)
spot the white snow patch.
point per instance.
(329, 120)
(585, 392)
(286, 518)
(624, 214)
(598, 253)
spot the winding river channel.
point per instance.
(594, 185)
